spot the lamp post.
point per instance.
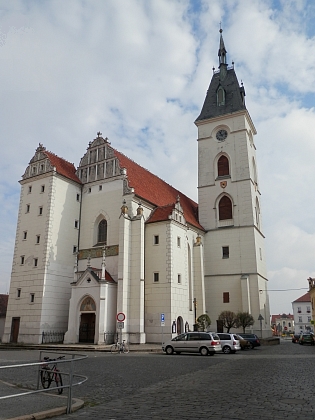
(195, 312)
(260, 319)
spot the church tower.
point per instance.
(229, 201)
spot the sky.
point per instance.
(138, 72)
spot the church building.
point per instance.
(109, 237)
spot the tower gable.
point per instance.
(232, 96)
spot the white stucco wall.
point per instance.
(50, 280)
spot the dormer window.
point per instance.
(220, 96)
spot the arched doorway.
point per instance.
(87, 320)
(179, 325)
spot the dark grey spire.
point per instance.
(224, 95)
(222, 51)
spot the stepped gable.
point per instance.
(304, 298)
(151, 188)
(63, 167)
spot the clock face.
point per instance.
(221, 135)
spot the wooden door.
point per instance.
(87, 328)
(15, 326)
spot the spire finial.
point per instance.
(222, 51)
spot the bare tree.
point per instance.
(244, 320)
(203, 322)
(229, 320)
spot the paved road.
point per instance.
(266, 383)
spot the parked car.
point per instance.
(252, 338)
(193, 342)
(245, 344)
(295, 338)
(307, 338)
(229, 342)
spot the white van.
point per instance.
(193, 342)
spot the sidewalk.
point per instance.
(35, 406)
(45, 405)
(81, 347)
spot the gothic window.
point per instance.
(225, 208)
(223, 166)
(102, 232)
(220, 96)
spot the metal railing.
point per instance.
(52, 337)
(72, 359)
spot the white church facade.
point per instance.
(110, 237)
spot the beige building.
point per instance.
(110, 237)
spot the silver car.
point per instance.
(229, 342)
(193, 342)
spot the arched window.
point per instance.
(223, 166)
(220, 96)
(225, 208)
(102, 232)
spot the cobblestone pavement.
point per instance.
(267, 383)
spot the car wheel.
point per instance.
(226, 350)
(252, 346)
(204, 351)
(169, 350)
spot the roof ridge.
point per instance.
(59, 157)
(147, 170)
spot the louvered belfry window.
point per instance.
(102, 232)
(223, 166)
(225, 208)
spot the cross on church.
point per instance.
(99, 134)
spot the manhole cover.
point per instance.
(292, 401)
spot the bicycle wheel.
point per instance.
(114, 348)
(125, 348)
(58, 380)
(45, 377)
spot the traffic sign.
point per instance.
(162, 324)
(120, 325)
(120, 317)
(162, 317)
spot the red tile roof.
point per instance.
(153, 189)
(97, 272)
(62, 166)
(3, 304)
(304, 298)
(274, 318)
(161, 213)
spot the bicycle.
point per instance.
(49, 374)
(119, 347)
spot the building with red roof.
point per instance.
(302, 312)
(109, 237)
